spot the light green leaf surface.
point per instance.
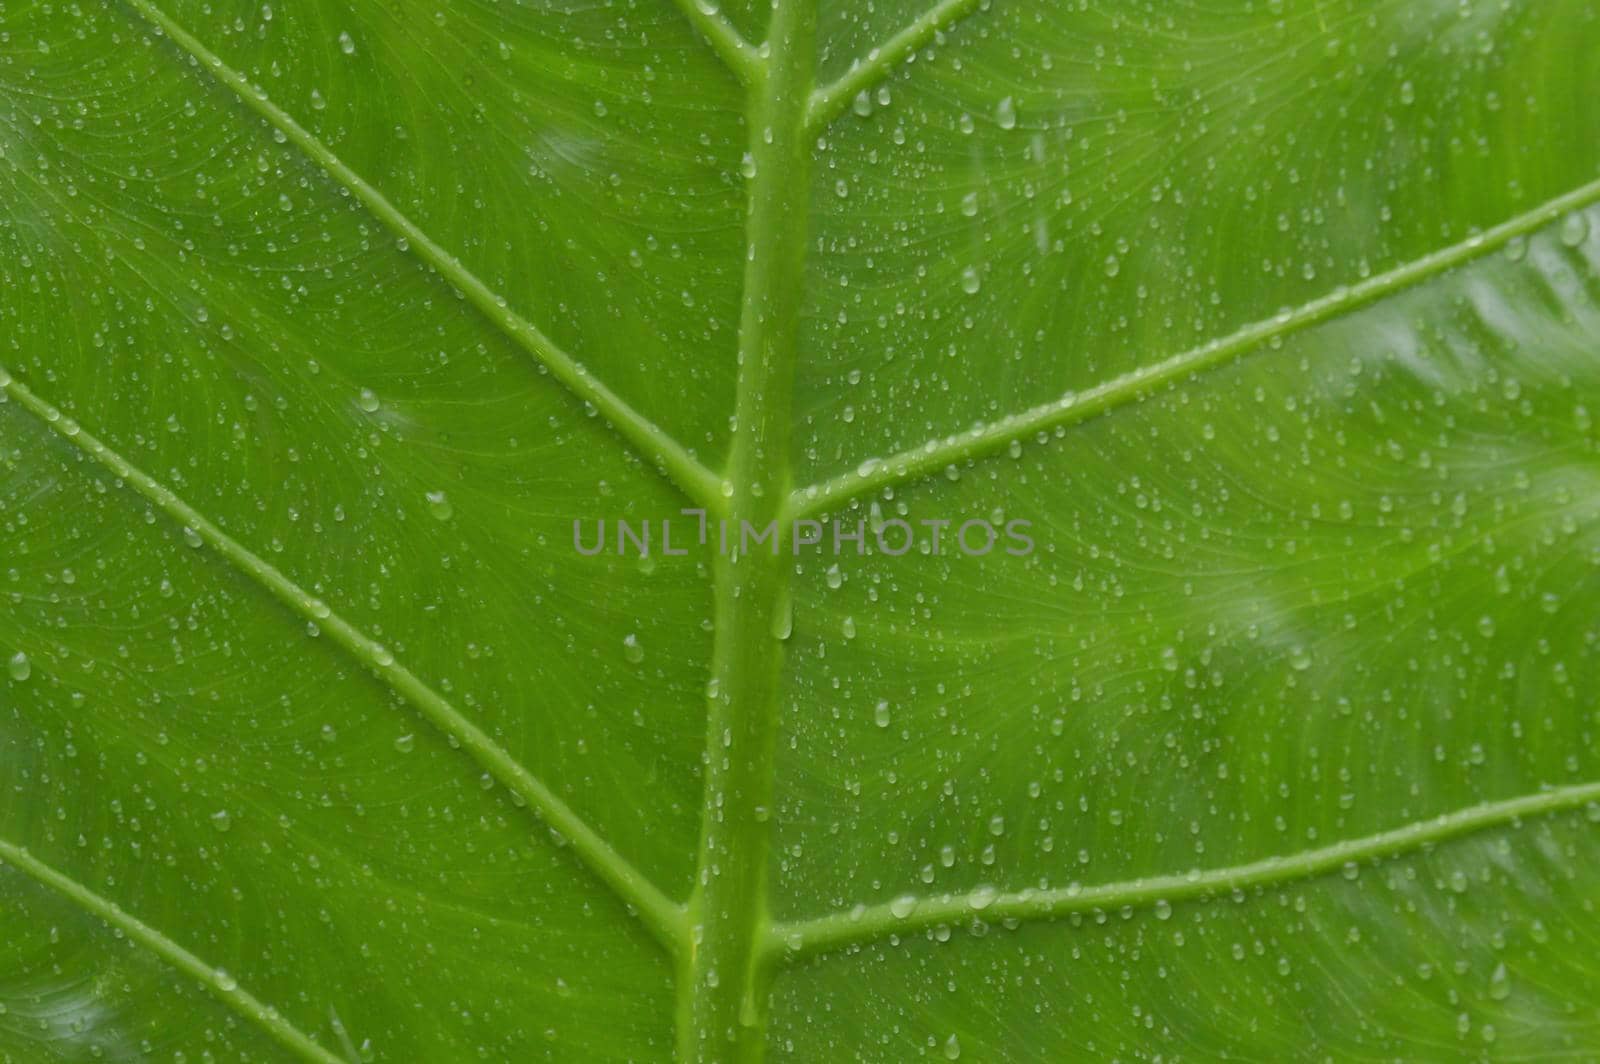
(322, 322)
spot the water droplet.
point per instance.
(221, 820)
(903, 906)
(747, 165)
(1574, 229)
(1299, 658)
(19, 667)
(982, 898)
(368, 400)
(834, 577)
(970, 281)
(1113, 266)
(405, 743)
(1163, 909)
(347, 44)
(783, 618)
(952, 1048)
(880, 714)
(439, 507)
(1500, 983)
(969, 205)
(192, 538)
(225, 982)
(631, 650)
(1005, 113)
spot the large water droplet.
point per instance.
(439, 507)
(1574, 229)
(1005, 113)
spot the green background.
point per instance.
(1339, 584)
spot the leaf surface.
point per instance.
(325, 322)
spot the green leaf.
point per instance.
(326, 324)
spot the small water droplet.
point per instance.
(19, 667)
(347, 44)
(971, 281)
(1163, 909)
(631, 650)
(903, 906)
(880, 714)
(221, 820)
(1500, 983)
(225, 982)
(405, 743)
(952, 1048)
(368, 401)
